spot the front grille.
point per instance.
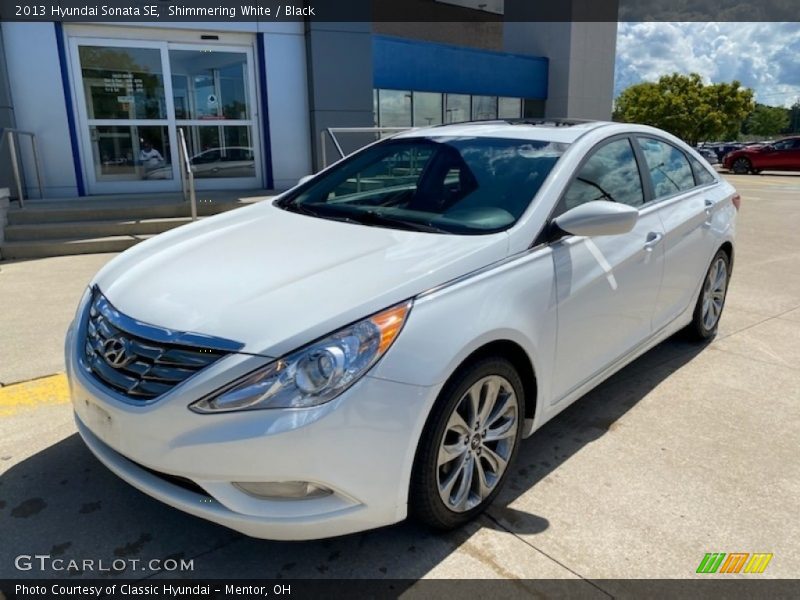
(129, 358)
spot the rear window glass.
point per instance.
(701, 173)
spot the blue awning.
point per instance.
(403, 64)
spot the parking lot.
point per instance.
(689, 450)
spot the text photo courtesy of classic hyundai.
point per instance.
(377, 342)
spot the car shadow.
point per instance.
(63, 503)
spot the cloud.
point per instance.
(762, 56)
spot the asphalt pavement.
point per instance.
(688, 450)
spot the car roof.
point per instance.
(551, 130)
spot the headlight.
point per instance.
(316, 373)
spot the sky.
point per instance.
(762, 56)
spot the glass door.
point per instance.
(133, 95)
(213, 98)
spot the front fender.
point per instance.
(514, 301)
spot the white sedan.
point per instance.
(378, 341)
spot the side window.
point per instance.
(669, 168)
(701, 174)
(611, 174)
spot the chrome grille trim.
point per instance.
(157, 334)
(138, 362)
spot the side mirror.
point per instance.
(303, 179)
(599, 217)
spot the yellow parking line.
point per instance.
(30, 394)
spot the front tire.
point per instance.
(741, 166)
(471, 437)
(711, 302)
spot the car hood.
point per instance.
(275, 280)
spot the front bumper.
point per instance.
(361, 445)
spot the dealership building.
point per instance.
(107, 102)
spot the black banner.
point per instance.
(398, 10)
(379, 589)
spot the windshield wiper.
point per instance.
(305, 209)
(371, 217)
(299, 208)
(360, 217)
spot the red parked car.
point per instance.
(783, 155)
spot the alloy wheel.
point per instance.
(714, 293)
(477, 443)
(741, 166)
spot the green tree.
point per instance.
(686, 107)
(767, 121)
(794, 118)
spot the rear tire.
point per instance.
(711, 301)
(468, 444)
(741, 166)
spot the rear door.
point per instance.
(607, 286)
(684, 198)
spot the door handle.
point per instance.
(709, 204)
(653, 239)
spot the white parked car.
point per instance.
(378, 341)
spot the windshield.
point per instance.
(464, 185)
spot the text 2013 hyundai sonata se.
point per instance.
(378, 340)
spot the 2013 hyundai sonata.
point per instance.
(378, 340)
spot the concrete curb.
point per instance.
(50, 389)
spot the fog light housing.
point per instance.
(283, 490)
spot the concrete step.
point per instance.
(87, 225)
(63, 247)
(30, 232)
(70, 213)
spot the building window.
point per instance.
(509, 108)
(209, 85)
(484, 107)
(427, 108)
(123, 83)
(533, 109)
(402, 108)
(457, 108)
(394, 108)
